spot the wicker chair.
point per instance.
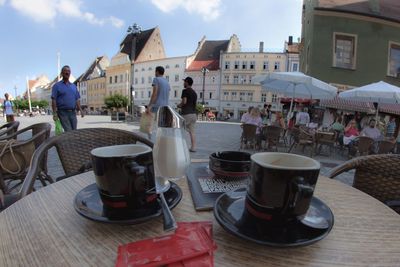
(272, 135)
(303, 138)
(376, 175)
(385, 147)
(73, 149)
(249, 136)
(9, 128)
(16, 154)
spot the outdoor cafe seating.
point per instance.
(248, 138)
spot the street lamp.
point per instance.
(15, 97)
(135, 30)
(204, 70)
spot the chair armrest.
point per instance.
(344, 167)
(393, 203)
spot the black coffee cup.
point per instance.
(124, 176)
(281, 185)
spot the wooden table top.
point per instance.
(43, 229)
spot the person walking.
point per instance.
(8, 109)
(160, 94)
(189, 113)
(65, 99)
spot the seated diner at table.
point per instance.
(254, 118)
(371, 131)
(350, 133)
(279, 121)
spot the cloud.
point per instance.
(208, 9)
(48, 10)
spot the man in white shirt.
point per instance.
(302, 118)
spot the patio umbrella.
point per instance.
(296, 85)
(378, 93)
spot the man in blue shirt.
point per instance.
(65, 100)
(161, 88)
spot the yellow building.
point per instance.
(118, 75)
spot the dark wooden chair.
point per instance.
(9, 128)
(16, 153)
(327, 139)
(272, 136)
(376, 175)
(386, 146)
(364, 145)
(301, 137)
(249, 136)
(73, 149)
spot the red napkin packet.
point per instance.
(191, 246)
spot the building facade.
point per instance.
(238, 92)
(118, 75)
(351, 43)
(92, 85)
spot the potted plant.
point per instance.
(116, 104)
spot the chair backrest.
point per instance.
(364, 144)
(385, 146)
(249, 131)
(305, 135)
(9, 128)
(273, 132)
(74, 147)
(376, 175)
(325, 137)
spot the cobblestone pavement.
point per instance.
(211, 137)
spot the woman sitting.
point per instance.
(279, 121)
(254, 118)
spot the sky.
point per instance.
(34, 31)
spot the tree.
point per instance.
(116, 101)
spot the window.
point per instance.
(252, 65)
(243, 79)
(149, 94)
(242, 96)
(226, 95)
(244, 65)
(236, 65)
(175, 93)
(233, 95)
(136, 70)
(210, 95)
(115, 79)
(150, 68)
(274, 98)
(149, 79)
(226, 79)
(295, 67)
(250, 96)
(235, 79)
(142, 94)
(263, 97)
(142, 80)
(176, 77)
(136, 80)
(344, 54)
(265, 65)
(394, 60)
(176, 65)
(142, 69)
(167, 77)
(201, 95)
(167, 66)
(110, 80)
(250, 78)
(277, 66)
(213, 79)
(227, 65)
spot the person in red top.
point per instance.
(350, 134)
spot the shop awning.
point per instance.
(390, 108)
(348, 105)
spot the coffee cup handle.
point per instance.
(301, 190)
(139, 171)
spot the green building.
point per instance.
(350, 43)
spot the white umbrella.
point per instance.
(379, 92)
(296, 85)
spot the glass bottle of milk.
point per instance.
(170, 151)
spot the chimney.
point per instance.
(374, 6)
(290, 40)
(261, 49)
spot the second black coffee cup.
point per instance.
(281, 185)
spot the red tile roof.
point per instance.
(208, 56)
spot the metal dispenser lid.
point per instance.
(169, 118)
